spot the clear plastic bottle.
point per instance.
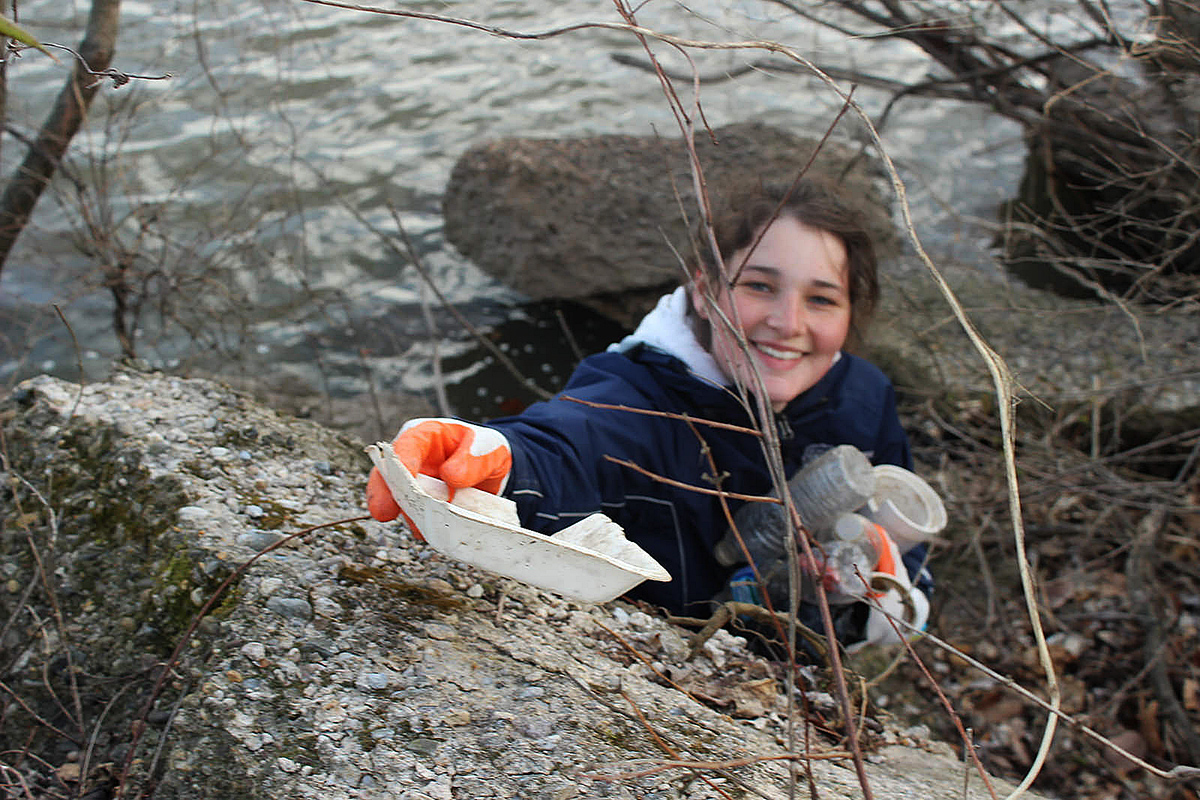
(839, 480)
(852, 550)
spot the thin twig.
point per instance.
(118, 77)
(663, 766)
(666, 748)
(945, 701)
(1139, 572)
(419, 265)
(55, 608)
(78, 359)
(435, 356)
(646, 662)
(37, 717)
(19, 778)
(667, 415)
(568, 335)
(376, 408)
(1177, 773)
(752, 498)
(97, 729)
(163, 736)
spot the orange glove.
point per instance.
(458, 453)
(895, 596)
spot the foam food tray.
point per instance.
(591, 561)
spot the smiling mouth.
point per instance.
(782, 355)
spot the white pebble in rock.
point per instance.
(549, 743)
(457, 717)
(255, 651)
(537, 729)
(254, 512)
(640, 619)
(286, 764)
(258, 540)
(422, 746)
(269, 586)
(193, 514)
(438, 631)
(326, 607)
(219, 453)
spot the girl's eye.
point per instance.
(822, 300)
(757, 286)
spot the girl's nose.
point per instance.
(787, 315)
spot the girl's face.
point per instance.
(793, 301)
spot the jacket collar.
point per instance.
(666, 330)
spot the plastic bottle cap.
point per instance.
(850, 527)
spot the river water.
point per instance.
(258, 187)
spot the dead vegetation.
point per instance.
(1114, 541)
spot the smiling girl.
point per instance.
(796, 281)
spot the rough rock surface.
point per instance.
(349, 662)
(582, 217)
(1141, 365)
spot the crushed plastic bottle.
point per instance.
(838, 481)
(852, 550)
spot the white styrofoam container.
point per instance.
(591, 561)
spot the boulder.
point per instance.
(580, 218)
(349, 661)
(1135, 370)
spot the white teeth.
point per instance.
(787, 355)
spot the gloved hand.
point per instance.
(458, 453)
(892, 594)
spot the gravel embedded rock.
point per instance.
(349, 661)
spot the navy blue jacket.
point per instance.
(561, 474)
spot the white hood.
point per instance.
(666, 329)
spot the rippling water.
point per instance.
(288, 132)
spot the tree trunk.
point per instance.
(67, 116)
